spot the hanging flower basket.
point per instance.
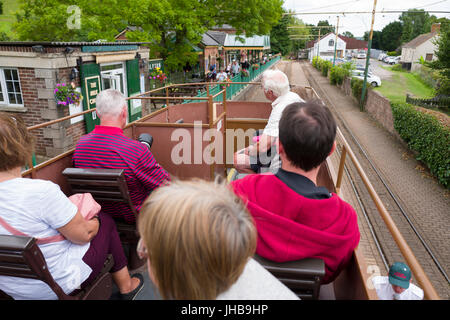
(65, 94)
(157, 74)
(245, 73)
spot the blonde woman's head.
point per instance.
(198, 237)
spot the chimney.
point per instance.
(435, 27)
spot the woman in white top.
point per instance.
(199, 240)
(39, 209)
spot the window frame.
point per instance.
(4, 87)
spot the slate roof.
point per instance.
(417, 41)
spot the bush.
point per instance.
(392, 53)
(315, 62)
(397, 67)
(356, 85)
(427, 136)
(325, 65)
(338, 73)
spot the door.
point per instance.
(134, 88)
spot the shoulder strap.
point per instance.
(15, 232)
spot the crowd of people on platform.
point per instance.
(197, 238)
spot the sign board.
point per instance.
(152, 64)
(135, 104)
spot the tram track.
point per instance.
(382, 238)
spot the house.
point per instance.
(29, 72)
(325, 47)
(423, 46)
(353, 45)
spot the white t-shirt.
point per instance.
(278, 107)
(221, 76)
(256, 283)
(385, 291)
(37, 208)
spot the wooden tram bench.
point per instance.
(302, 276)
(21, 257)
(108, 185)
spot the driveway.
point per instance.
(375, 67)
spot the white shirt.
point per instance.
(256, 283)
(37, 208)
(222, 76)
(385, 291)
(278, 106)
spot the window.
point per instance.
(10, 91)
(331, 43)
(429, 57)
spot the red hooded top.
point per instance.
(292, 226)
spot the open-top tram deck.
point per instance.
(198, 139)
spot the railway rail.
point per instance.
(427, 255)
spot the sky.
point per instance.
(357, 24)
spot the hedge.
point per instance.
(356, 85)
(427, 136)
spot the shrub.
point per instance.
(315, 62)
(397, 67)
(325, 65)
(427, 136)
(338, 73)
(392, 53)
(356, 85)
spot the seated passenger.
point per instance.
(276, 88)
(295, 218)
(199, 240)
(107, 147)
(39, 209)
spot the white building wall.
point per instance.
(326, 51)
(422, 50)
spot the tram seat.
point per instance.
(108, 185)
(21, 257)
(302, 276)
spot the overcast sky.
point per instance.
(359, 23)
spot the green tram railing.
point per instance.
(237, 84)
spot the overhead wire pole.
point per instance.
(369, 46)
(335, 43)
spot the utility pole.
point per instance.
(335, 43)
(318, 45)
(369, 46)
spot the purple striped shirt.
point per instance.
(107, 147)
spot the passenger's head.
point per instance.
(275, 84)
(112, 105)
(399, 277)
(307, 131)
(16, 143)
(198, 238)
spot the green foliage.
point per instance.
(391, 36)
(397, 67)
(392, 53)
(414, 23)
(315, 62)
(356, 85)
(427, 136)
(65, 94)
(172, 26)
(325, 65)
(339, 72)
(442, 64)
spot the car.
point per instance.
(381, 56)
(393, 60)
(361, 55)
(374, 80)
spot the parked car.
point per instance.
(393, 60)
(374, 80)
(381, 56)
(361, 55)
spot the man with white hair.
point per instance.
(107, 147)
(276, 88)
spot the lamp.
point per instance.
(69, 50)
(38, 48)
(73, 74)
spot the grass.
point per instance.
(8, 18)
(401, 83)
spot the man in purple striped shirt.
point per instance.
(107, 147)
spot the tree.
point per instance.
(348, 34)
(172, 26)
(414, 22)
(391, 36)
(443, 62)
